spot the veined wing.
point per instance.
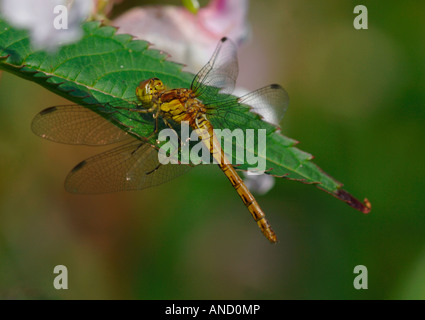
(219, 75)
(133, 166)
(74, 124)
(270, 102)
(234, 114)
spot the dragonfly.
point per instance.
(134, 165)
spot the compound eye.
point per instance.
(145, 90)
(145, 85)
(150, 88)
(158, 85)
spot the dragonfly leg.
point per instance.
(171, 127)
(155, 131)
(156, 116)
(150, 110)
(160, 164)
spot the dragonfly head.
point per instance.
(148, 89)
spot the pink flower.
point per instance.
(189, 38)
(38, 16)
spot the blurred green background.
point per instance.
(357, 104)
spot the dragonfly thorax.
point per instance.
(180, 105)
(176, 104)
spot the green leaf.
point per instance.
(105, 68)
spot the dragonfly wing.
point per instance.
(235, 115)
(270, 102)
(219, 75)
(133, 166)
(74, 124)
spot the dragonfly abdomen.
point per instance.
(249, 201)
(206, 133)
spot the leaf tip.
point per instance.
(353, 202)
(368, 205)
